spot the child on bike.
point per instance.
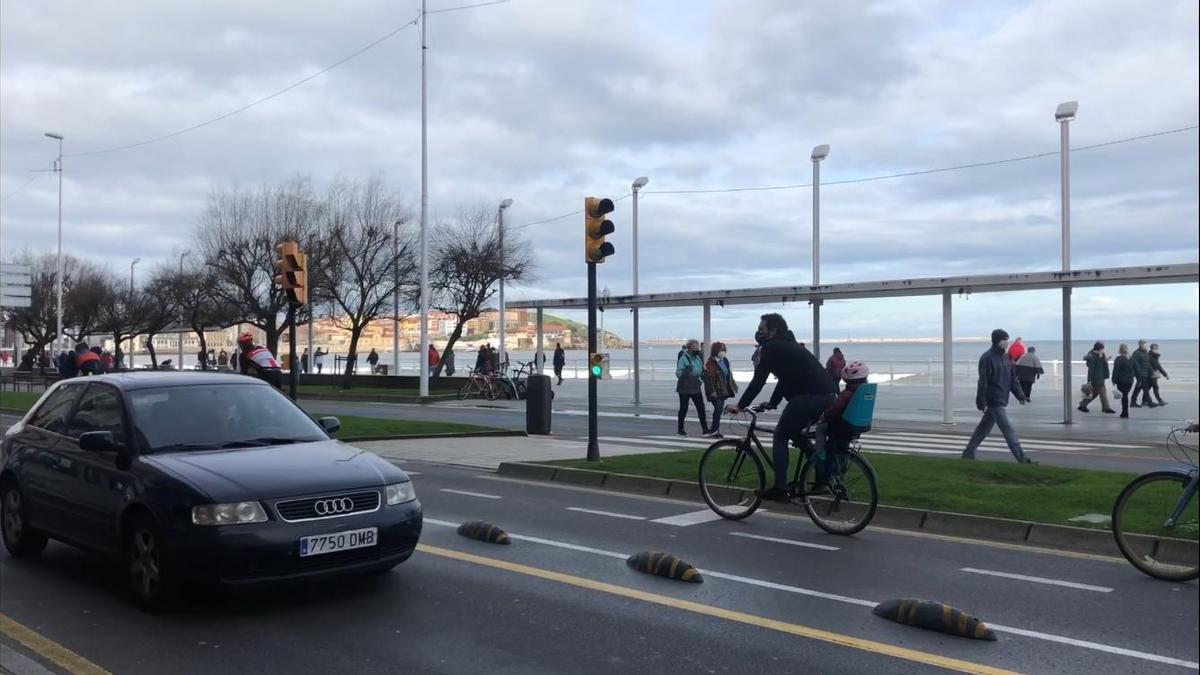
(833, 431)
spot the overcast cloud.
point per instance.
(546, 101)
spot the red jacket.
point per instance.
(433, 356)
(1016, 350)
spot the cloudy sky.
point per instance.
(545, 101)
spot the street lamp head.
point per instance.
(820, 152)
(1066, 111)
(505, 204)
(640, 182)
(51, 134)
(135, 261)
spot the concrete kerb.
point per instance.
(1061, 537)
(457, 434)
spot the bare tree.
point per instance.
(194, 295)
(238, 234)
(362, 263)
(38, 323)
(467, 267)
(121, 312)
(159, 310)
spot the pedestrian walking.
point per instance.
(201, 360)
(106, 359)
(835, 365)
(1142, 376)
(448, 361)
(494, 355)
(483, 360)
(688, 370)
(719, 385)
(303, 361)
(87, 362)
(1016, 351)
(434, 357)
(223, 358)
(373, 360)
(559, 361)
(1157, 372)
(1029, 369)
(319, 359)
(1122, 377)
(66, 365)
(1097, 375)
(996, 382)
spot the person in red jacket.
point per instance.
(433, 357)
(259, 361)
(1016, 350)
(87, 361)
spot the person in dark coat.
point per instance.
(66, 365)
(1140, 358)
(560, 361)
(1097, 376)
(1122, 377)
(483, 360)
(719, 385)
(835, 365)
(688, 370)
(1157, 372)
(1029, 369)
(996, 382)
(448, 361)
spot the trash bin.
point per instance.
(381, 369)
(537, 405)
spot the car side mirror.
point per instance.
(330, 424)
(99, 441)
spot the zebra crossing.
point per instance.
(890, 442)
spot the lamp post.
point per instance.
(1064, 114)
(500, 226)
(819, 153)
(58, 168)
(179, 334)
(638, 184)
(423, 359)
(395, 299)
(132, 342)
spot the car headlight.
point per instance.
(398, 493)
(237, 513)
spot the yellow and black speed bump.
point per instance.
(935, 616)
(484, 531)
(664, 565)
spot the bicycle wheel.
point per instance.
(730, 472)
(843, 502)
(464, 392)
(1139, 524)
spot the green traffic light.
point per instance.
(596, 371)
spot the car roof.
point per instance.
(149, 379)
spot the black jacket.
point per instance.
(996, 380)
(1156, 365)
(798, 372)
(560, 358)
(1122, 372)
(1097, 367)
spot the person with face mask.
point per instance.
(800, 379)
(1156, 372)
(688, 370)
(718, 384)
(996, 382)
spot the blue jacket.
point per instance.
(996, 380)
(688, 370)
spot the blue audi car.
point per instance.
(186, 476)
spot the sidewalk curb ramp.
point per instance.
(664, 565)
(456, 434)
(1043, 535)
(484, 531)
(934, 616)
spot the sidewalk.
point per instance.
(490, 453)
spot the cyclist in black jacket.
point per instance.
(801, 379)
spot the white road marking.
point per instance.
(610, 514)
(1039, 580)
(1069, 445)
(413, 473)
(657, 444)
(792, 542)
(1037, 635)
(992, 443)
(470, 494)
(690, 440)
(686, 519)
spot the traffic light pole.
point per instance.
(293, 364)
(593, 449)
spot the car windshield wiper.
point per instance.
(263, 442)
(184, 447)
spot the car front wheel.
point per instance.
(21, 540)
(147, 567)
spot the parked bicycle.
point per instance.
(839, 492)
(1156, 518)
(520, 378)
(478, 384)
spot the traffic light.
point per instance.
(597, 366)
(291, 271)
(596, 228)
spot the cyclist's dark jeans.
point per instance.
(800, 412)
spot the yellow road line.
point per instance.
(720, 613)
(49, 649)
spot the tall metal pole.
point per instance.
(637, 370)
(1064, 115)
(293, 362)
(58, 336)
(818, 153)
(423, 359)
(503, 308)
(179, 333)
(395, 298)
(593, 447)
(947, 360)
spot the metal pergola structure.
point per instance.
(946, 287)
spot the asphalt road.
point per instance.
(778, 596)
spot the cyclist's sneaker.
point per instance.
(681, 432)
(713, 434)
(773, 493)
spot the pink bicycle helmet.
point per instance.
(856, 370)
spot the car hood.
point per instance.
(278, 470)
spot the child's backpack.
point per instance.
(861, 409)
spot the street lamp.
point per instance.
(819, 153)
(131, 264)
(132, 343)
(395, 299)
(58, 168)
(638, 184)
(500, 225)
(1064, 114)
(179, 333)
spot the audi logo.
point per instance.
(330, 507)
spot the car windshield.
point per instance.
(217, 416)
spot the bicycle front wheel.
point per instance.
(1145, 533)
(730, 472)
(464, 392)
(840, 495)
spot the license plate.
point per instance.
(338, 541)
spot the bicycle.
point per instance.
(1155, 518)
(520, 378)
(842, 502)
(479, 384)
